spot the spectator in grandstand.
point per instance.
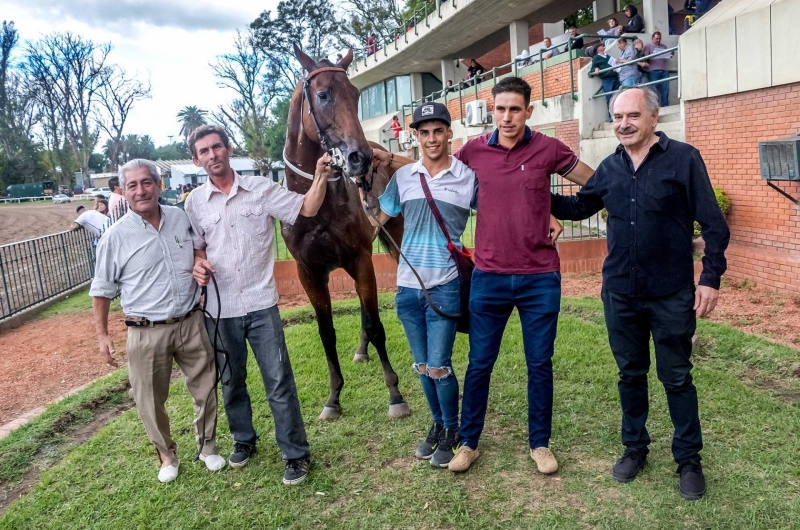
(549, 53)
(609, 79)
(523, 59)
(396, 126)
(372, 44)
(639, 45)
(117, 206)
(648, 276)
(474, 70)
(690, 12)
(613, 31)
(635, 21)
(628, 70)
(448, 87)
(577, 44)
(148, 255)
(93, 221)
(657, 67)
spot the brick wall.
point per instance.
(765, 227)
(502, 54)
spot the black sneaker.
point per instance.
(428, 446)
(629, 464)
(241, 454)
(296, 470)
(692, 483)
(446, 448)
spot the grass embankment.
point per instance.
(364, 474)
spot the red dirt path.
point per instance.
(44, 359)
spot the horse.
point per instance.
(322, 116)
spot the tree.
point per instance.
(190, 118)
(580, 18)
(173, 151)
(71, 71)
(98, 162)
(135, 146)
(117, 96)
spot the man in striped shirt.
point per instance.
(233, 220)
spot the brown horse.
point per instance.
(323, 115)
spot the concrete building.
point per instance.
(732, 64)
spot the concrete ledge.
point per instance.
(20, 318)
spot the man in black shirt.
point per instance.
(654, 189)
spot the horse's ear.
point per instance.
(346, 60)
(305, 61)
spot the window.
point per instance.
(391, 95)
(403, 90)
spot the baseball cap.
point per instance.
(429, 112)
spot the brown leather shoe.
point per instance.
(463, 458)
(545, 461)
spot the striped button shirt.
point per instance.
(153, 268)
(237, 231)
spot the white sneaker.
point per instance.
(168, 473)
(213, 462)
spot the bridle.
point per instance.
(305, 96)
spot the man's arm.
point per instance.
(316, 194)
(585, 204)
(580, 174)
(381, 158)
(715, 234)
(100, 307)
(74, 226)
(201, 263)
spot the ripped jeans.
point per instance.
(431, 339)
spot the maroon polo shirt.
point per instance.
(512, 235)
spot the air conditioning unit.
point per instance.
(780, 159)
(476, 113)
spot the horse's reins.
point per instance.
(361, 182)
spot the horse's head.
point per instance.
(330, 110)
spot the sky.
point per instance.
(168, 42)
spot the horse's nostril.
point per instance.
(356, 158)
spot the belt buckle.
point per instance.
(171, 320)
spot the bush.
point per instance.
(724, 205)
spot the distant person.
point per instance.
(658, 68)
(117, 205)
(639, 45)
(613, 31)
(523, 59)
(338, 58)
(690, 12)
(102, 207)
(448, 87)
(148, 255)
(635, 21)
(396, 126)
(93, 221)
(628, 70)
(577, 44)
(550, 53)
(372, 45)
(609, 79)
(475, 70)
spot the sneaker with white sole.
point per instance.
(168, 473)
(463, 458)
(545, 461)
(213, 462)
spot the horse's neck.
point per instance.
(300, 151)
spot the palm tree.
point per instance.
(190, 118)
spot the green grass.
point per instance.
(364, 474)
(78, 302)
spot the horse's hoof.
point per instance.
(361, 358)
(330, 414)
(400, 410)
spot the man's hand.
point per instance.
(705, 300)
(555, 230)
(201, 275)
(381, 158)
(324, 169)
(107, 350)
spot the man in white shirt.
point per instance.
(117, 205)
(233, 222)
(93, 221)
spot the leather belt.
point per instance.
(142, 322)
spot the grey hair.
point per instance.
(650, 99)
(138, 163)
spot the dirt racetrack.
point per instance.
(29, 220)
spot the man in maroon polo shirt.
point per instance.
(516, 263)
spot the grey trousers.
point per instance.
(264, 331)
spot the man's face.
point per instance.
(472, 62)
(657, 39)
(213, 156)
(633, 125)
(510, 114)
(141, 191)
(547, 43)
(639, 45)
(628, 13)
(601, 49)
(622, 45)
(433, 137)
(573, 32)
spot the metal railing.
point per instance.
(36, 270)
(420, 15)
(638, 59)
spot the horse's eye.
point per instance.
(323, 96)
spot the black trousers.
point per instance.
(671, 321)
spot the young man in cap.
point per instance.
(516, 263)
(430, 335)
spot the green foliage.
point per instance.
(580, 18)
(191, 117)
(173, 151)
(724, 205)
(98, 162)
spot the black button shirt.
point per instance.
(651, 214)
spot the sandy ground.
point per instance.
(44, 359)
(28, 220)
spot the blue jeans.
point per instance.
(537, 298)
(609, 85)
(630, 81)
(264, 331)
(431, 339)
(661, 88)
